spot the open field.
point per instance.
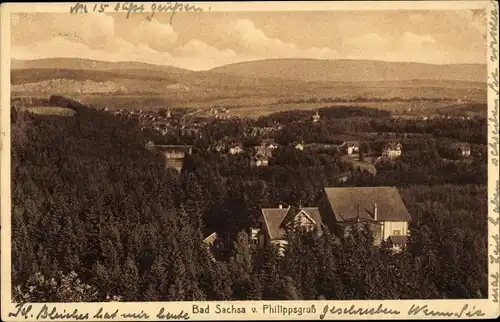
(264, 106)
(397, 108)
(247, 93)
(51, 110)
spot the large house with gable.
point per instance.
(340, 209)
(382, 208)
(274, 224)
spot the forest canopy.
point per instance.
(93, 208)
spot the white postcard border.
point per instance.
(359, 310)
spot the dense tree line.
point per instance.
(329, 112)
(365, 99)
(335, 123)
(96, 216)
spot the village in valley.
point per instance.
(346, 159)
(339, 208)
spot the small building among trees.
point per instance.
(350, 147)
(392, 150)
(461, 150)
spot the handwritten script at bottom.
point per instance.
(424, 310)
(50, 312)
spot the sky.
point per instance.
(203, 40)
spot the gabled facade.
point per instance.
(236, 149)
(392, 150)
(275, 224)
(339, 211)
(382, 208)
(261, 156)
(263, 151)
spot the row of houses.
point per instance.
(339, 210)
(262, 152)
(391, 151)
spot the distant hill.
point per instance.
(87, 64)
(29, 71)
(258, 84)
(31, 75)
(353, 70)
(68, 86)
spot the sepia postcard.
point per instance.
(249, 160)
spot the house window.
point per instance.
(396, 232)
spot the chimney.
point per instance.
(375, 212)
(280, 206)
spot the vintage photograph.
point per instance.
(248, 155)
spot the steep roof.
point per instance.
(344, 203)
(277, 218)
(273, 217)
(315, 215)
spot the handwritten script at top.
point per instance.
(130, 8)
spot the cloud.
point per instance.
(99, 37)
(92, 30)
(406, 46)
(198, 55)
(155, 34)
(253, 41)
(409, 39)
(198, 48)
(195, 55)
(116, 50)
(374, 41)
